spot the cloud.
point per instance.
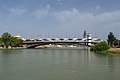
(97, 7)
(59, 0)
(65, 15)
(42, 12)
(75, 15)
(76, 20)
(17, 11)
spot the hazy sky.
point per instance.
(52, 18)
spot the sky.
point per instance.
(60, 18)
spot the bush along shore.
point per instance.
(109, 46)
(102, 46)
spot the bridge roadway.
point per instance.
(54, 42)
(32, 44)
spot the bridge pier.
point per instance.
(89, 39)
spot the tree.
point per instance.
(1, 43)
(7, 40)
(111, 39)
(15, 42)
(6, 37)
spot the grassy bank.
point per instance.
(114, 50)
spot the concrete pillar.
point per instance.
(89, 38)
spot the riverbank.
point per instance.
(114, 50)
(13, 48)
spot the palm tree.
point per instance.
(111, 39)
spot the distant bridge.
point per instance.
(61, 41)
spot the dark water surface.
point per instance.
(57, 64)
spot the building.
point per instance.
(19, 37)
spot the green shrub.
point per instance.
(6, 40)
(102, 46)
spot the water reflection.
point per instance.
(60, 64)
(11, 51)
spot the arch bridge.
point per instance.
(61, 41)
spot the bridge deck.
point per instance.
(53, 42)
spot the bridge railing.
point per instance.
(64, 40)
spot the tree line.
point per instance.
(111, 42)
(7, 40)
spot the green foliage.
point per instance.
(15, 42)
(111, 39)
(1, 42)
(6, 37)
(7, 40)
(102, 46)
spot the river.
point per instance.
(57, 64)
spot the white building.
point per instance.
(19, 37)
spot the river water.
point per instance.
(57, 64)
